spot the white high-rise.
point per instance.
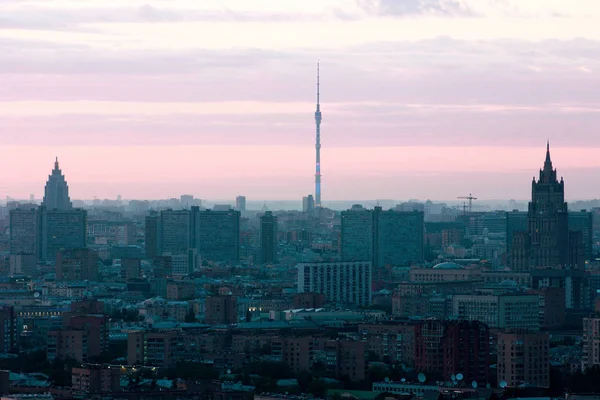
(344, 282)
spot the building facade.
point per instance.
(345, 282)
(523, 358)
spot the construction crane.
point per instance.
(470, 198)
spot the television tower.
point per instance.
(318, 146)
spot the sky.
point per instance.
(421, 99)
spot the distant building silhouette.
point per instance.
(547, 242)
(308, 203)
(56, 193)
(268, 238)
(240, 203)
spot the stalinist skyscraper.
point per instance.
(548, 241)
(56, 193)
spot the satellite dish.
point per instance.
(503, 384)
(453, 377)
(228, 371)
(488, 386)
(403, 380)
(36, 294)
(474, 384)
(459, 377)
(386, 379)
(421, 377)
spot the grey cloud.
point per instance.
(415, 7)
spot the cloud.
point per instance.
(402, 8)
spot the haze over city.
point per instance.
(420, 98)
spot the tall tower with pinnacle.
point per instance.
(318, 119)
(56, 193)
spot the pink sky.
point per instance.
(420, 98)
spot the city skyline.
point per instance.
(432, 100)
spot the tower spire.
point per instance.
(318, 119)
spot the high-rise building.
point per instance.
(77, 265)
(386, 238)
(175, 229)
(399, 239)
(523, 358)
(216, 235)
(452, 347)
(591, 343)
(221, 310)
(24, 227)
(151, 235)
(345, 282)
(240, 203)
(516, 221)
(582, 221)
(548, 242)
(357, 234)
(186, 200)
(56, 193)
(308, 203)
(268, 238)
(61, 230)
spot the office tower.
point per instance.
(591, 343)
(345, 282)
(308, 203)
(523, 358)
(318, 119)
(582, 221)
(240, 203)
(221, 310)
(399, 238)
(505, 311)
(357, 234)
(77, 265)
(386, 238)
(56, 193)
(216, 235)
(61, 230)
(174, 234)
(24, 226)
(452, 347)
(8, 329)
(268, 238)
(516, 226)
(151, 235)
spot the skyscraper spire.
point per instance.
(318, 119)
(56, 192)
